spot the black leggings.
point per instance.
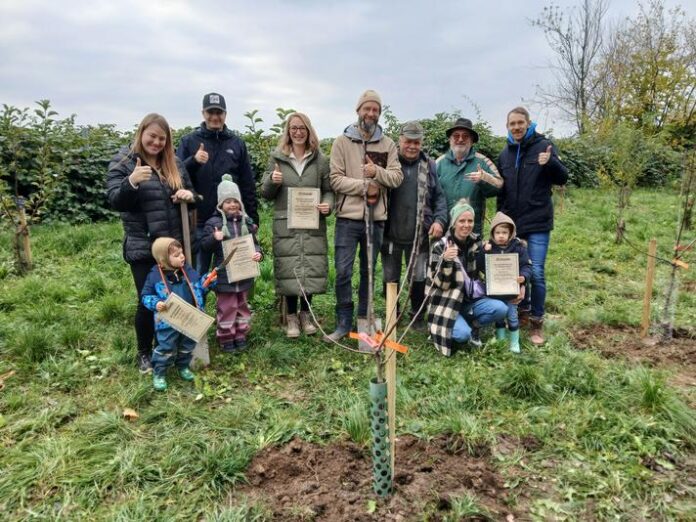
(291, 300)
(144, 318)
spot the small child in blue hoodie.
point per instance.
(171, 274)
(503, 240)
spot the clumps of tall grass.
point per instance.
(525, 382)
(656, 397)
(571, 373)
(356, 423)
(78, 240)
(467, 507)
(95, 286)
(123, 344)
(116, 308)
(222, 463)
(244, 511)
(73, 335)
(104, 425)
(466, 432)
(33, 345)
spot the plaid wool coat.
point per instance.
(449, 286)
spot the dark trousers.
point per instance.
(392, 256)
(203, 259)
(144, 318)
(349, 234)
(291, 301)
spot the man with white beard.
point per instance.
(466, 173)
(364, 165)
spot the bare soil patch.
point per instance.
(305, 481)
(677, 355)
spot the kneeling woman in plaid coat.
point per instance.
(458, 305)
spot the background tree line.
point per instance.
(629, 88)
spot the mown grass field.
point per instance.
(67, 453)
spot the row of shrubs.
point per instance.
(36, 143)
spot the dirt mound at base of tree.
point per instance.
(304, 481)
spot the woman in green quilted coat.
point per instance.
(300, 255)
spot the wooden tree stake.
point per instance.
(23, 238)
(649, 279)
(392, 315)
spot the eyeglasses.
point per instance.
(461, 136)
(298, 129)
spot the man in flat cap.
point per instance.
(209, 152)
(364, 165)
(417, 212)
(466, 173)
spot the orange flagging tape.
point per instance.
(373, 342)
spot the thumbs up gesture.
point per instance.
(201, 155)
(369, 169)
(544, 157)
(217, 234)
(277, 175)
(140, 173)
(476, 176)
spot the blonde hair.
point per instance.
(169, 172)
(519, 110)
(285, 143)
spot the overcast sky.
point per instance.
(113, 61)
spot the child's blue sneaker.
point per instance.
(159, 382)
(186, 374)
(240, 344)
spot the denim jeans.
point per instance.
(485, 311)
(513, 321)
(350, 233)
(537, 246)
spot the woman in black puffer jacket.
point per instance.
(146, 183)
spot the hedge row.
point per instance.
(78, 156)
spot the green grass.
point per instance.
(67, 453)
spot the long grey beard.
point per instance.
(367, 127)
(461, 151)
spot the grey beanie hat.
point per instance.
(228, 189)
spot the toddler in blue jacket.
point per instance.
(171, 274)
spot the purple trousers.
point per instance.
(233, 316)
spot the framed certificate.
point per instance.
(186, 318)
(302, 207)
(502, 271)
(241, 266)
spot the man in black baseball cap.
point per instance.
(209, 152)
(214, 101)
